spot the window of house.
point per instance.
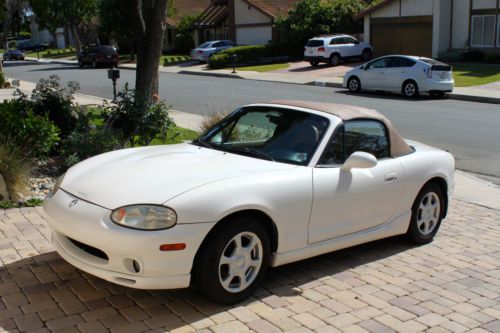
(483, 31)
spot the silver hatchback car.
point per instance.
(206, 50)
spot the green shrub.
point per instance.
(34, 135)
(56, 102)
(451, 56)
(33, 202)
(2, 79)
(492, 58)
(473, 56)
(250, 54)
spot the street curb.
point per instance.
(324, 84)
(227, 76)
(472, 98)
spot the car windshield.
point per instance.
(205, 45)
(271, 133)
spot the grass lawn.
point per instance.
(264, 68)
(177, 135)
(54, 53)
(467, 75)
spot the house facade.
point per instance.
(246, 22)
(431, 27)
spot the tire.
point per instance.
(353, 84)
(334, 60)
(438, 94)
(427, 213)
(80, 63)
(410, 89)
(94, 64)
(214, 266)
(366, 55)
(314, 63)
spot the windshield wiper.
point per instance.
(251, 151)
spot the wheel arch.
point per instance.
(259, 215)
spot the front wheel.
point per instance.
(410, 89)
(354, 84)
(427, 213)
(233, 261)
(366, 55)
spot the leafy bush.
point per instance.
(473, 56)
(135, 125)
(492, 58)
(451, 56)
(14, 167)
(56, 102)
(211, 119)
(249, 54)
(34, 135)
(2, 79)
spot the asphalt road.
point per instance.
(471, 131)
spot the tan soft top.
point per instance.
(347, 112)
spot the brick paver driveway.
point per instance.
(451, 285)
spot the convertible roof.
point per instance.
(348, 112)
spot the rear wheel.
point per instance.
(410, 89)
(353, 84)
(80, 63)
(334, 60)
(366, 55)
(94, 64)
(314, 63)
(233, 261)
(427, 212)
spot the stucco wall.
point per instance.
(416, 8)
(442, 10)
(245, 15)
(391, 10)
(366, 32)
(460, 23)
(484, 4)
(253, 35)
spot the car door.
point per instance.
(346, 202)
(373, 77)
(352, 46)
(397, 72)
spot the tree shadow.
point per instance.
(45, 284)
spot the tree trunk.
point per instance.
(76, 39)
(149, 51)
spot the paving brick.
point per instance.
(262, 326)
(28, 322)
(92, 327)
(64, 322)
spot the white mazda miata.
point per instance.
(270, 184)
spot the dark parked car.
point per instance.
(32, 47)
(100, 55)
(13, 55)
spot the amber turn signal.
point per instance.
(172, 247)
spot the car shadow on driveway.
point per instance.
(46, 287)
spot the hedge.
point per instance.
(253, 54)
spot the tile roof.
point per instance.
(371, 9)
(212, 15)
(273, 8)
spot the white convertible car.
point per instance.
(270, 184)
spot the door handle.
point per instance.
(391, 177)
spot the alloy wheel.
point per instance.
(429, 211)
(240, 262)
(410, 89)
(353, 85)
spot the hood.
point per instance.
(153, 175)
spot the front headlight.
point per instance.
(56, 187)
(144, 217)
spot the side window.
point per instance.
(335, 41)
(381, 63)
(401, 62)
(350, 40)
(368, 136)
(218, 44)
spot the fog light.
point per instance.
(172, 247)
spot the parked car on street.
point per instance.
(29, 46)
(99, 55)
(408, 75)
(208, 49)
(270, 184)
(13, 55)
(332, 49)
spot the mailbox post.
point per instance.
(234, 58)
(114, 75)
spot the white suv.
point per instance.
(334, 48)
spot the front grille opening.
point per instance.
(90, 249)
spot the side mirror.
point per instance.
(359, 160)
(365, 67)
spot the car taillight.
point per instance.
(321, 49)
(429, 73)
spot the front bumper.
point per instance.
(90, 225)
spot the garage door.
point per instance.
(410, 35)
